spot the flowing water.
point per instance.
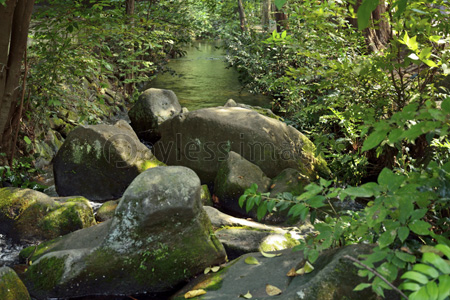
(202, 79)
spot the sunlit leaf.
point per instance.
(272, 290)
(251, 261)
(269, 255)
(194, 293)
(207, 270)
(246, 296)
(215, 269)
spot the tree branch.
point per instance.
(377, 274)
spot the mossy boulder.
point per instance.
(334, 277)
(11, 287)
(100, 161)
(159, 237)
(263, 111)
(289, 180)
(153, 107)
(234, 176)
(33, 216)
(106, 211)
(203, 138)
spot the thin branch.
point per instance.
(377, 274)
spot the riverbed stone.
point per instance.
(159, 237)
(234, 176)
(106, 211)
(333, 277)
(264, 111)
(203, 138)
(289, 180)
(11, 287)
(153, 107)
(29, 215)
(100, 161)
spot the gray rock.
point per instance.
(33, 216)
(106, 211)
(333, 277)
(11, 287)
(234, 176)
(159, 237)
(201, 139)
(264, 111)
(100, 161)
(153, 107)
(289, 180)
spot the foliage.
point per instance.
(431, 278)
(20, 175)
(402, 213)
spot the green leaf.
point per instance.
(426, 269)
(395, 135)
(251, 261)
(316, 201)
(425, 53)
(405, 257)
(279, 3)
(419, 227)
(445, 105)
(415, 276)
(358, 191)
(375, 138)
(390, 179)
(444, 287)
(242, 200)
(262, 211)
(410, 286)
(436, 261)
(362, 286)
(387, 238)
(432, 290)
(364, 13)
(313, 255)
(434, 38)
(420, 294)
(403, 233)
(27, 140)
(444, 249)
(401, 6)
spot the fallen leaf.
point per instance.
(292, 273)
(272, 186)
(246, 296)
(215, 199)
(272, 290)
(251, 261)
(215, 269)
(207, 270)
(194, 293)
(307, 268)
(269, 254)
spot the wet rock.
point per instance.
(100, 161)
(33, 216)
(234, 176)
(333, 277)
(264, 111)
(159, 237)
(11, 287)
(153, 107)
(203, 138)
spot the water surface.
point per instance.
(202, 79)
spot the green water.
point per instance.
(202, 79)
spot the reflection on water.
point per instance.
(202, 79)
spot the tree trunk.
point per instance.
(242, 16)
(379, 33)
(14, 21)
(265, 19)
(282, 20)
(129, 7)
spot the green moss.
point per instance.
(46, 274)
(33, 253)
(206, 196)
(13, 202)
(11, 287)
(148, 164)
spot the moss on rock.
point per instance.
(11, 287)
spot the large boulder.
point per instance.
(11, 287)
(159, 237)
(234, 176)
(333, 277)
(203, 138)
(153, 107)
(100, 161)
(31, 216)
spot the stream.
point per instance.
(202, 79)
